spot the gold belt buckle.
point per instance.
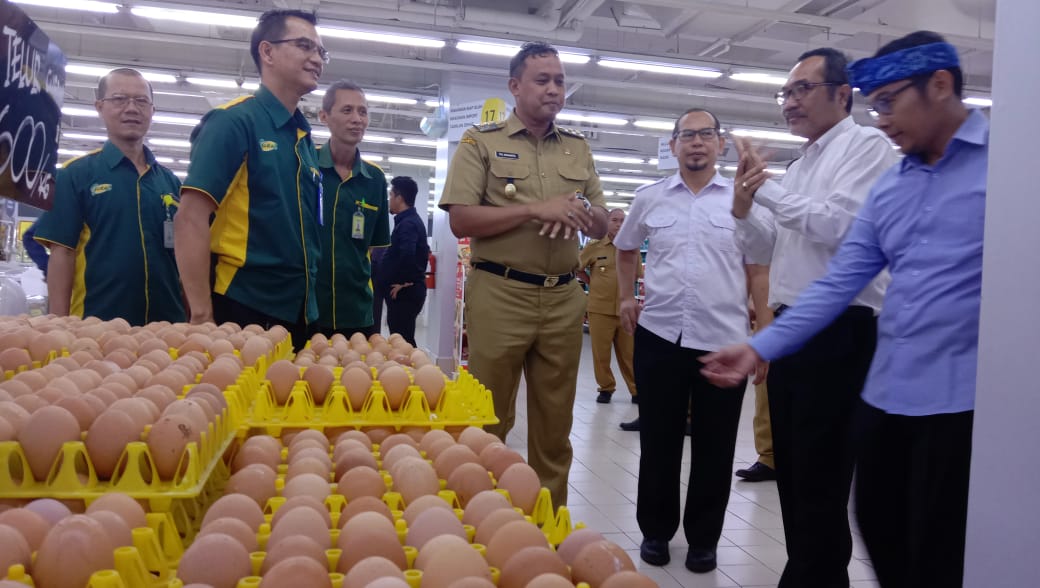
(551, 281)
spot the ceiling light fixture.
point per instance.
(657, 125)
(84, 136)
(412, 161)
(978, 101)
(173, 119)
(596, 119)
(74, 152)
(393, 39)
(768, 135)
(390, 99)
(181, 174)
(74, 111)
(420, 142)
(215, 82)
(661, 68)
(164, 159)
(617, 159)
(759, 78)
(97, 71)
(503, 50)
(617, 204)
(171, 143)
(431, 103)
(625, 180)
(240, 21)
(378, 139)
(85, 5)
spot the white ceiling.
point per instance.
(731, 36)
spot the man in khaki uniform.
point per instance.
(598, 270)
(521, 189)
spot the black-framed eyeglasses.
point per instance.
(122, 101)
(687, 135)
(799, 91)
(883, 103)
(306, 45)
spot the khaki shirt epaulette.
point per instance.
(572, 132)
(490, 126)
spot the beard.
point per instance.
(696, 167)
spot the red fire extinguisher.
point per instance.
(431, 272)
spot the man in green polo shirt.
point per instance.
(110, 230)
(356, 215)
(254, 165)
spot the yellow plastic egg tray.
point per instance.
(464, 402)
(8, 374)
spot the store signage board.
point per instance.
(665, 159)
(467, 114)
(32, 91)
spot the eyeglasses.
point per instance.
(883, 103)
(121, 101)
(800, 90)
(306, 45)
(687, 135)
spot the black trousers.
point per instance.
(912, 495)
(813, 396)
(380, 295)
(225, 309)
(670, 383)
(402, 311)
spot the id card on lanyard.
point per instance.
(321, 199)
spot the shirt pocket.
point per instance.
(573, 178)
(662, 228)
(723, 232)
(504, 173)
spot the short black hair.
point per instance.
(271, 27)
(328, 101)
(916, 39)
(835, 69)
(529, 49)
(102, 85)
(406, 188)
(718, 125)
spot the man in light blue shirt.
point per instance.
(924, 221)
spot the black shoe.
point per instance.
(758, 472)
(631, 425)
(699, 561)
(604, 397)
(635, 400)
(655, 552)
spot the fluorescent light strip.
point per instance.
(84, 136)
(213, 82)
(195, 17)
(625, 194)
(184, 161)
(617, 159)
(503, 50)
(599, 119)
(624, 180)
(171, 143)
(420, 142)
(393, 39)
(74, 111)
(759, 78)
(164, 159)
(431, 103)
(97, 71)
(73, 152)
(657, 125)
(181, 174)
(675, 70)
(390, 99)
(85, 5)
(978, 101)
(173, 119)
(412, 161)
(768, 135)
(378, 139)
(617, 204)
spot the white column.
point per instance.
(1003, 516)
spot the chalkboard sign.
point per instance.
(31, 94)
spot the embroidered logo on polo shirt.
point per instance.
(98, 189)
(268, 145)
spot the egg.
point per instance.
(431, 549)
(423, 503)
(127, 508)
(451, 566)
(353, 458)
(217, 560)
(476, 438)
(255, 348)
(549, 581)
(301, 521)
(430, 379)
(369, 534)
(511, 538)
(468, 480)
(167, 439)
(345, 444)
(319, 379)
(497, 458)
(357, 383)
(432, 436)
(314, 453)
(29, 524)
(430, 524)
(51, 510)
(14, 414)
(138, 409)
(362, 505)
(74, 548)
(523, 485)
(221, 374)
(361, 481)
(42, 436)
(256, 481)
(282, 374)
(482, 504)
(192, 411)
(215, 396)
(414, 477)
(311, 485)
(494, 521)
(452, 457)
(239, 530)
(529, 563)
(395, 382)
(254, 453)
(14, 549)
(32, 378)
(307, 465)
(12, 359)
(107, 439)
(301, 502)
(599, 560)
(394, 440)
(370, 569)
(384, 582)
(115, 527)
(396, 454)
(628, 579)
(32, 403)
(238, 506)
(300, 443)
(295, 546)
(296, 571)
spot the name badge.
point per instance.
(167, 233)
(507, 155)
(357, 227)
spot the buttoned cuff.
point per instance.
(767, 344)
(769, 194)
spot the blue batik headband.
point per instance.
(872, 73)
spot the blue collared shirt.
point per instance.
(925, 223)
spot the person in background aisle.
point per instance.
(35, 251)
(696, 302)
(761, 315)
(380, 288)
(923, 220)
(405, 262)
(253, 166)
(357, 219)
(598, 261)
(813, 393)
(110, 229)
(522, 189)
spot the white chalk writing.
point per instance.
(18, 151)
(24, 63)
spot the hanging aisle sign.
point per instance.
(467, 114)
(31, 95)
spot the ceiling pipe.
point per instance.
(581, 10)
(519, 24)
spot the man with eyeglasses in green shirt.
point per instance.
(110, 230)
(255, 169)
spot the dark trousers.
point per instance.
(226, 309)
(669, 382)
(380, 295)
(402, 311)
(812, 400)
(912, 495)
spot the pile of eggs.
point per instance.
(118, 384)
(370, 545)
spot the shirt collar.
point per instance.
(401, 215)
(113, 156)
(832, 133)
(514, 125)
(325, 162)
(676, 181)
(276, 110)
(974, 131)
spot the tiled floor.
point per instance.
(603, 492)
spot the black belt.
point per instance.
(515, 274)
(855, 309)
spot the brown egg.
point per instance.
(414, 477)
(476, 439)
(511, 538)
(29, 524)
(629, 579)
(51, 510)
(361, 481)
(297, 571)
(358, 547)
(80, 408)
(384, 582)
(14, 549)
(529, 563)
(321, 455)
(481, 505)
(11, 359)
(256, 481)
(598, 561)
(16, 388)
(300, 443)
(319, 378)
(468, 480)
(208, 403)
(523, 485)
(32, 378)
(174, 379)
(140, 374)
(160, 396)
(430, 550)
(217, 560)
(79, 535)
(369, 570)
(32, 403)
(167, 439)
(432, 436)
(548, 581)
(452, 457)
(357, 382)
(394, 440)
(107, 438)
(115, 527)
(295, 546)
(308, 434)
(497, 458)
(282, 375)
(216, 397)
(575, 542)
(396, 454)
(301, 521)
(347, 445)
(430, 379)
(249, 454)
(231, 527)
(311, 485)
(220, 347)
(302, 502)
(238, 506)
(42, 436)
(127, 508)
(123, 379)
(422, 504)
(254, 348)
(307, 465)
(395, 382)
(357, 435)
(353, 458)
(192, 411)
(430, 524)
(362, 505)
(139, 409)
(221, 374)
(14, 414)
(451, 566)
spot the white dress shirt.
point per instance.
(812, 208)
(695, 280)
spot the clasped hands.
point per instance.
(568, 212)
